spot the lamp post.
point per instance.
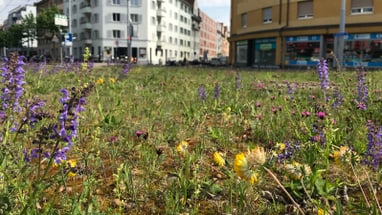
(128, 39)
(70, 28)
(340, 36)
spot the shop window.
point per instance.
(361, 6)
(241, 52)
(244, 20)
(303, 50)
(305, 9)
(267, 15)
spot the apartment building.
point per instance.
(16, 16)
(222, 43)
(208, 37)
(50, 43)
(162, 29)
(300, 32)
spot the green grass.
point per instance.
(118, 172)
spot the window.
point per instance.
(116, 34)
(135, 18)
(305, 9)
(116, 17)
(96, 34)
(135, 3)
(267, 15)
(244, 20)
(361, 6)
(116, 1)
(95, 18)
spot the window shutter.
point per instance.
(123, 34)
(361, 3)
(267, 13)
(109, 34)
(305, 8)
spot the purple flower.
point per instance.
(362, 89)
(238, 80)
(126, 69)
(373, 156)
(202, 93)
(323, 74)
(217, 91)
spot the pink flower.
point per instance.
(321, 115)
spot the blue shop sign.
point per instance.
(312, 38)
(372, 36)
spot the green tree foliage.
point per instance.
(45, 23)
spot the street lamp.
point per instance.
(70, 27)
(129, 33)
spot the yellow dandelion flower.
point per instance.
(321, 211)
(297, 170)
(219, 160)
(182, 147)
(100, 81)
(246, 164)
(112, 80)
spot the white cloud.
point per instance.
(214, 3)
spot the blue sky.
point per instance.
(218, 10)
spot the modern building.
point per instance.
(16, 17)
(300, 32)
(162, 29)
(50, 43)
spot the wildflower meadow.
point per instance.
(129, 139)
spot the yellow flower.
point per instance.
(219, 160)
(71, 163)
(100, 81)
(321, 211)
(297, 170)
(280, 146)
(71, 174)
(246, 164)
(182, 147)
(343, 154)
(112, 80)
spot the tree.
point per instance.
(46, 27)
(29, 30)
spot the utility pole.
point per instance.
(129, 32)
(340, 37)
(70, 28)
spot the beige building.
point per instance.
(279, 33)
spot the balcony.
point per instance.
(86, 25)
(85, 7)
(161, 1)
(160, 28)
(88, 41)
(161, 12)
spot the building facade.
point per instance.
(300, 32)
(208, 37)
(162, 29)
(50, 43)
(16, 17)
(222, 44)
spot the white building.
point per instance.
(163, 29)
(16, 16)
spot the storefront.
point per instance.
(264, 52)
(363, 50)
(242, 52)
(303, 50)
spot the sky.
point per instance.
(219, 10)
